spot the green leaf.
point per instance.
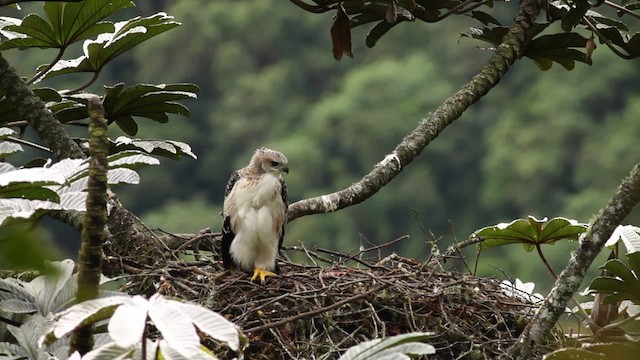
(492, 35)
(67, 23)
(365, 18)
(575, 14)
(8, 111)
(484, 18)
(73, 22)
(28, 191)
(630, 44)
(87, 312)
(626, 286)
(530, 232)
(69, 110)
(603, 21)
(108, 46)
(543, 63)
(391, 348)
(131, 160)
(167, 148)
(127, 124)
(37, 30)
(7, 148)
(617, 268)
(5, 132)
(629, 235)
(377, 31)
(557, 47)
(151, 101)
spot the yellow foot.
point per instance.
(261, 273)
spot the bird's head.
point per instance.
(270, 161)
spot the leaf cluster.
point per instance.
(545, 45)
(529, 232)
(32, 191)
(67, 23)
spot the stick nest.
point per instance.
(319, 310)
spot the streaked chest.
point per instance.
(256, 193)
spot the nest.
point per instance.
(319, 309)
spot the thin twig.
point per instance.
(317, 311)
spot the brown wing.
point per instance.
(227, 233)
(284, 192)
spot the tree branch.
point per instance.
(123, 225)
(33, 110)
(569, 281)
(95, 218)
(451, 109)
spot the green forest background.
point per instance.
(552, 143)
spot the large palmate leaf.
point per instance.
(560, 48)
(629, 43)
(109, 45)
(65, 24)
(530, 232)
(629, 235)
(122, 104)
(176, 322)
(155, 102)
(624, 283)
(7, 148)
(28, 184)
(395, 347)
(167, 148)
(25, 193)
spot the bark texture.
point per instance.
(33, 110)
(95, 219)
(428, 129)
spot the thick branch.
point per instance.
(31, 108)
(569, 281)
(451, 109)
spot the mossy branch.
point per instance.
(95, 219)
(451, 109)
(33, 110)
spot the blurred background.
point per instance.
(552, 143)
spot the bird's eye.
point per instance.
(274, 163)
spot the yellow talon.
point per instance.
(262, 274)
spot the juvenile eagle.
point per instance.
(255, 212)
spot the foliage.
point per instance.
(46, 294)
(629, 235)
(68, 23)
(627, 350)
(625, 284)
(176, 321)
(563, 47)
(28, 192)
(32, 304)
(530, 232)
(394, 347)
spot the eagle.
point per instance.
(254, 215)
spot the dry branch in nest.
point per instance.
(319, 310)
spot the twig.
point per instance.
(317, 311)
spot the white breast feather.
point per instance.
(255, 244)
